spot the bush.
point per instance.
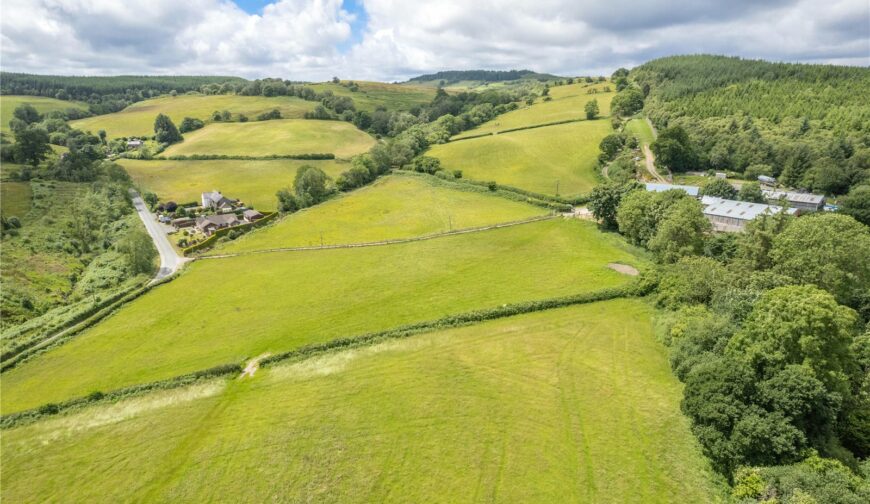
(427, 164)
(272, 114)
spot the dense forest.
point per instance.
(768, 329)
(451, 76)
(105, 94)
(808, 125)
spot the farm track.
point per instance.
(385, 242)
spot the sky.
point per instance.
(392, 40)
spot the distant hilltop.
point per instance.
(452, 76)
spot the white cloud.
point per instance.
(299, 39)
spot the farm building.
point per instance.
(801, 201)
(216, 201)
(732, 216)
(211, 223)
(251, 215)
(183, 222)
(691, 190)
(134, 143)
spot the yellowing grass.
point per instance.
(254, 182)
(138, 118)
(226, 310)
(374, 94)
(568, 405)
(393, 207)
(568, 102)
(42, 104)
(535, 159)
(281, 137)
(15, 199)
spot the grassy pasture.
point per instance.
(374, 94)
(282, 137)
(138, 118)
(15, 198)
(254, 182)
(42, 104)
(393, 207)
(640, 129)
(568, 103)
(224, 310)
(569, 405)
(533, 159)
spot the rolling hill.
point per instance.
(570, 405)
(276, 137)
(138, 119)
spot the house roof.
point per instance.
(742, 210)
(691, 190)
(222, 219)
(217, 220)
(796, 197)
(212, 196)
(251, 213)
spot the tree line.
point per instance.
(104, 94)
(768, 330)
(807, 125)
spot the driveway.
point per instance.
(170, 261)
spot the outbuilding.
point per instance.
(693, 191)
(801, 201)
(251, 215)
(732, 216)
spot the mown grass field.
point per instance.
(568, 102)
(281, 137)
(15, 198)
(569, 405)
(393, 207)
(42, 104)
(374, 94)
(225, 310)
(138, 118)
(640, 129)
(534, 159)
(254, 182)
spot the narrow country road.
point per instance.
(170, 261)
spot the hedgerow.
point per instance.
(50, 409)
(211, 157)
(85, 320)
(267, 217)
(463, 319)
(637, 288)
(485, 187)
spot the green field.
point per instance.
(534, 159)
(393, 207)
(8, 104)
(280, 137)
(138, 118)
(15, 198)
(569, 405)
(568, 102)
(641, 129)
(224, 310)
(372, 95)
(254, 182)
